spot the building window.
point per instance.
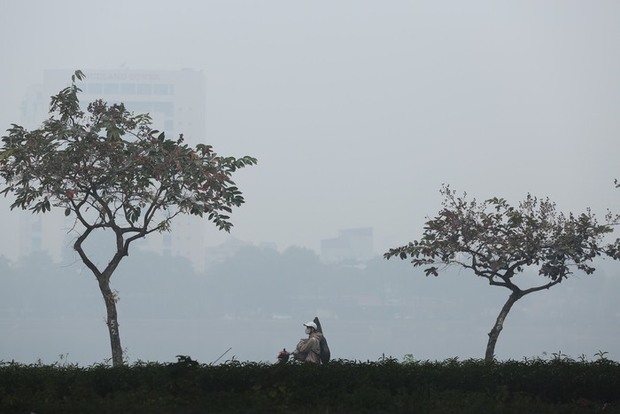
(145, 89)
(161, 89)
(128, 88)
(111, 88)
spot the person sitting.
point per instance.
(309, 349)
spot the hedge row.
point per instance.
(386, 386)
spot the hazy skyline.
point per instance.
(358, 111)
(256, 301)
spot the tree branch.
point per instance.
(542, 287)
(85, 259)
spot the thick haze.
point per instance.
(359, 110)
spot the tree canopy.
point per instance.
(109, 160)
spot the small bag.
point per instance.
(283, 355)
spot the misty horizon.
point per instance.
(358, 113)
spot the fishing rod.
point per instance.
(220, 357)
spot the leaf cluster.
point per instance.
(497, 240)
(109, 168)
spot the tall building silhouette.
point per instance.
(350, 245)
(176, 101)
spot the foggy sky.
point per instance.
(359, 110)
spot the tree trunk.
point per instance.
(499, 325)
(112, 321)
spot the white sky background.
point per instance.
(357, 110)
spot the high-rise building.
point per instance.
(176, 102)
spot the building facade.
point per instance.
(350, 245)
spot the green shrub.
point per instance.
(385, 386)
